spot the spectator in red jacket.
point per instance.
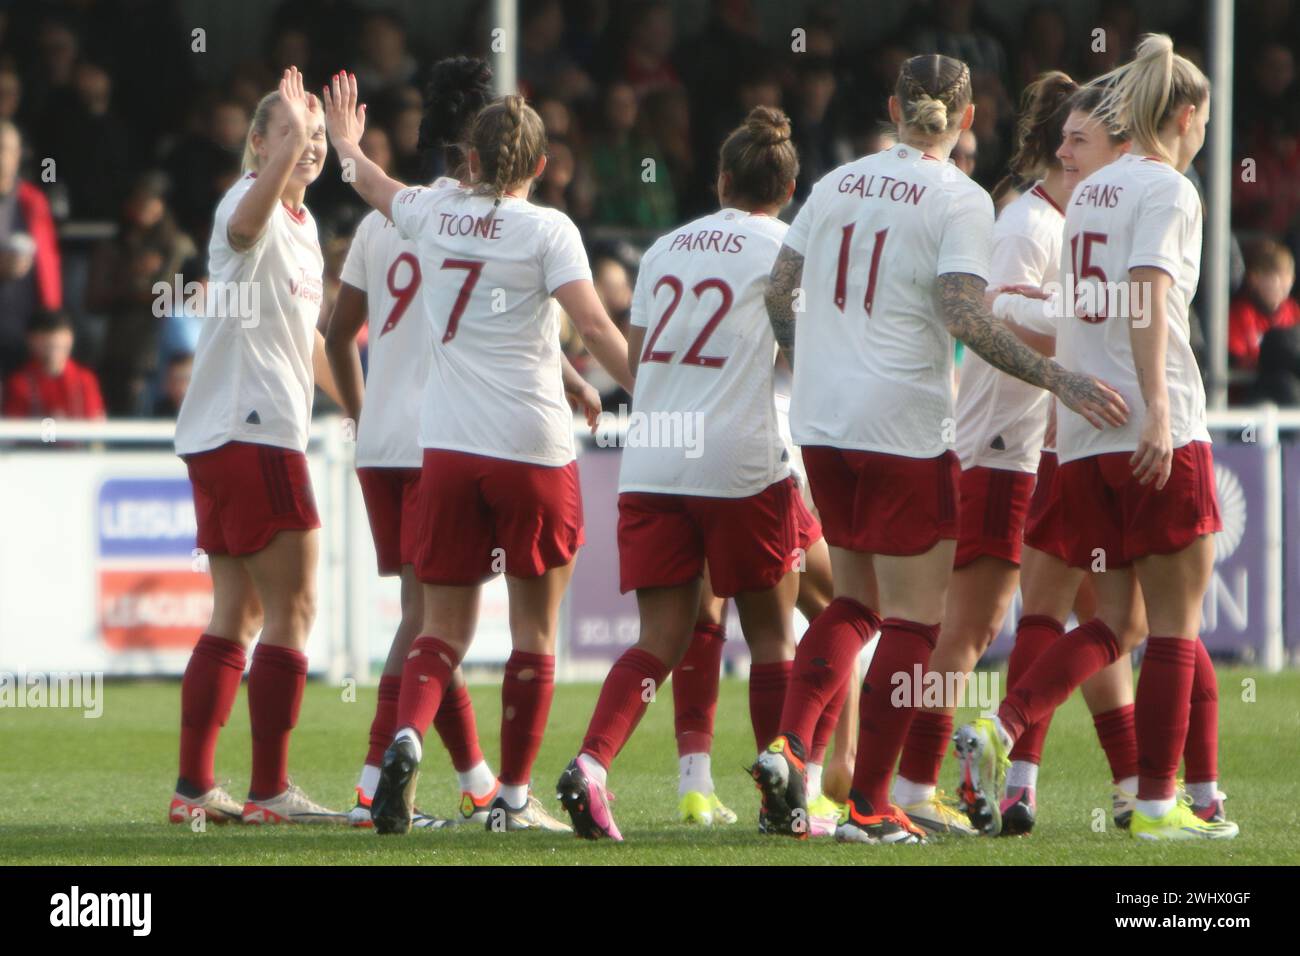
(51, 384)
(30, 273)
(1264, 301)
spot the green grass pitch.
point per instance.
(79, 791)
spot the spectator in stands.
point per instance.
(1043, 44)
(30, 271)
(633, 183)
(175, 383)
(11, 94)
(821, 148)
(88, 142)
(149, 248)
(384, 64)
(949, 28)
(51, 384)
(205, 163)
(545, 67)
(1264, 302)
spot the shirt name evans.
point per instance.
(1094, 194)
(882, 187)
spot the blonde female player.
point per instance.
(1050, 586)
(703, 350)
(1142, 496)
(498, 485)
(381, 280)
(999, 431)
(242, 431)
(891, 252)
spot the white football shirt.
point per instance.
(494, 385)
(704, 418)
(1135, 212)
(873, 357)
(1001, 419)
(252, 378)
(386, 267)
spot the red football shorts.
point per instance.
(1111, 514)
(883, 504)
(1045, 526)
(994, 503)
(392, 502)
(245, 493)
(478, 516)
(807, 526)
(749, 543)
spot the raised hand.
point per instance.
(344, 118)
(301, 106)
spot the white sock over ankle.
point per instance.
(515, 794)
(592, 768)
(477, 780)
(408, 733)
(1128, 785)
(694, 772)
(1155, 808)
(1022, 773)
(907, 793)
(1203, 794)
(812, 781)
(369, 780)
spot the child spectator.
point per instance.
(51, 384)
(1263, 303)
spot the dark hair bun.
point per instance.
(458, 88)
(767, 125)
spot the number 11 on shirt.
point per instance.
(842, 270)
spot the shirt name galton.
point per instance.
(882, 187)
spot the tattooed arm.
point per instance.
(961, 299)
(787, 273)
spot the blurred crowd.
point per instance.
(114, 153)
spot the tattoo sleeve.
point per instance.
(961, 299)
(787, 273)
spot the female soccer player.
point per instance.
(703, 353)
(242, 431)
(498, 485)
(1050, 587)
(381, 278)
(695, 693)
(891, 254)
(999, 431)
(1141, 496)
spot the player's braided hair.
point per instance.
(458, 87)
(930, 90)
(510, 139)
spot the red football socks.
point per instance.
(426, 675)
(275, 685)
(1061, 668)
(630, 685)
(695, 689)
(207, 695)
(384, 723)
(883, 725)
(1035, 633)
(1117, 733)
(1201, 752)
(526, 696)
(1164, 702)
(823, 662)
(768, 684)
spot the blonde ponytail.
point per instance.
(259, 124)
(510, 140)
(1138, 97)
(931, 90)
